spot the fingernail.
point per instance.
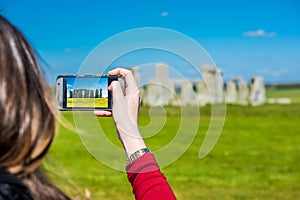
(113, 84)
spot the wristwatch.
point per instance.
(137, 154)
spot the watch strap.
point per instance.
(137, 154)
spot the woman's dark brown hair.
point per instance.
(27, 113)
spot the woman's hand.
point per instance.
(125, 111)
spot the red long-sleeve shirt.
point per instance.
(147, 180)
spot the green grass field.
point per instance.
(87, 102)
(256, 157)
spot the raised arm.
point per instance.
(142, 169)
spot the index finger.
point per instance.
(102, 113)
(129, 79)
(119, 71)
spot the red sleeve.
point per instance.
(147, 181)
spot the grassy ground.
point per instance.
(294, 94)
(87, 102)
(256, 157)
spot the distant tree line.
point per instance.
(283, 86)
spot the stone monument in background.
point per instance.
(231, 92)
(213, 78)
(203, 95)
(188, 95)
(243, 94)
(158, 92)
(162, 90)
(257, 92)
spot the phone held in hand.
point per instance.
(85, 92)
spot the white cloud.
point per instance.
(259, 33)
(279, 72)
(164, 14)
(275, 72)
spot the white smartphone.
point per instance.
(85, 92)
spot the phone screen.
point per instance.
(87, 92)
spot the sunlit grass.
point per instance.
(294, 94)
(87, 102)
(256, 157)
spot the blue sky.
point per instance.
(244, 37)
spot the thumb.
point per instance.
(117, 91)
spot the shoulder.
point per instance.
(11, 188)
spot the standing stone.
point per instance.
(243, 96)
(203, 95)
(162, 76)
(213, 78)
(231, 92)
(153, 93)
(188, 95)
(219, 87)
(258, 92)
(158, 93)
